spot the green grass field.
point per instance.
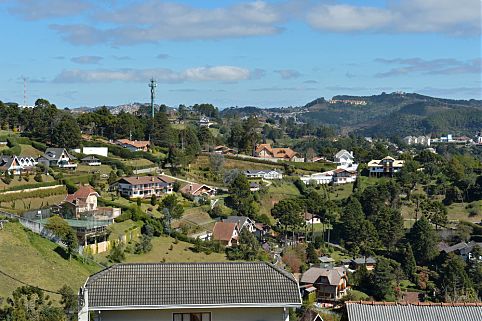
(340, 192)
(31, 181)
(180, 253)
(28, 150)
(22, 205)
(102, 169)
(34, 260)
(278, 191)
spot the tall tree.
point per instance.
(454, 283)
(423, 240)
(66, 132)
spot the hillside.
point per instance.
(397, 114)
(36, 261)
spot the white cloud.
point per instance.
(85, 60)
(215, 73)
(288, 73)
(461, 17)
(445, 66)
(37, 10)
(153, 21)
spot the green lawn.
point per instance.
(102, 169)
(28, 150)
(31, 181)
(180, 253)
(22, 205)
(278, 191)
(136, 162)
(34, 260)
(195, 219)
(340, 192)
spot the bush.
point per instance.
(38, 177)
(40, 146)
(33, 194)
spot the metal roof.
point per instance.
(406, 312)
(165, 285)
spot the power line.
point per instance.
(24, 283)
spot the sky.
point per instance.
(236, 53)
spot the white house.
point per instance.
(144, 186)
(343, 176)
(57, 157)
(234, 291)
(344, 158)
(264, 174)
(17, 165)
(318, 178)
(414, 140)
(91, 161)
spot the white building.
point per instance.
(344, 158)
(264, 174)
(420, 140)
(17, 165)
(99, 151)
(341, 175)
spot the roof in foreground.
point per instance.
(164, 285)
(381, 311)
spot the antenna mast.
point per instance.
(24, 92)
(153, 86)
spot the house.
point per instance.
(204, 122)
(254, 187)
(414, 140)
(17, 165)
(400, 311)
(284, 153)
(326, 261)
(368, 262)
(234, 291)
(312, 218)
(331, 283)
(57, 157)
(243, 222)
(169, 183)
(227, 233)
(83, 203)
(343, 176)
(344, 158)
(318, 178)
(463, 249)
(144, 186)
(385, 167)
(224, 150)
(91, 161)
(194, 189)
(134, 145)
(264, 174)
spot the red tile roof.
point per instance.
(81, 194)
(223, 231)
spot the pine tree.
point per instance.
(408, 263)
(423, 240)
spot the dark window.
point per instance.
(202, 316)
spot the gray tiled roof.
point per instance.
(399, 312)
(192, 284)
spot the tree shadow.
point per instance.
(62, 252)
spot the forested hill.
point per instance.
(397, 114)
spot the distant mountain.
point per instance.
(128, 108)
(396, 114)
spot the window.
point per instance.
(203, 316)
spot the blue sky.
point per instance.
(236, 53)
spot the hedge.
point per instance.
(124, 152)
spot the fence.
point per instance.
(35, 227)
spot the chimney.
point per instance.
(190, 187)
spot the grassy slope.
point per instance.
(31, 181)
(28, 150)
(33, 259)
(277, 192)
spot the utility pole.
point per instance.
(152, 85)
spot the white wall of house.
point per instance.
(318, 178)
(101, 151)
(222, 314)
